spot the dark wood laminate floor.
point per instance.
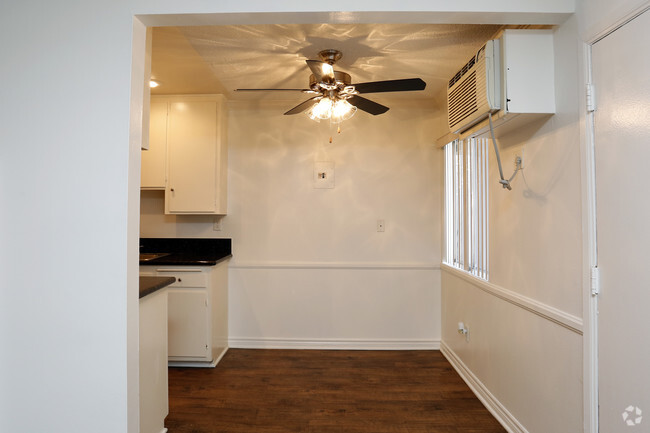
(323, 391)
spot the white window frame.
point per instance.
(466, 206)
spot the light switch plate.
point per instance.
(324, 174)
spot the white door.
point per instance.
(621, 75)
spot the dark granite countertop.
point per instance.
(181, 259)
(186, 251)
(149, 285)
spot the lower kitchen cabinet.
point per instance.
(197, 318)
(188, 322)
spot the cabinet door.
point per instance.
(192, 146)
(188, 324)
(154, 159)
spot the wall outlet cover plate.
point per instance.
(324, 174)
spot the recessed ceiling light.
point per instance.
(153, 84)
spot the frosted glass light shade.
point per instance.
(335, 110)
(342, 110)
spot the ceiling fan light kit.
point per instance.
(337, 99)
(334, 110)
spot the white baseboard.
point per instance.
(193, 364)
(333, 344)
(210, 364)
(406, 266)
(498, 410)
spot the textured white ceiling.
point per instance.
(219, 59)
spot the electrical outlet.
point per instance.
(217, 224)
(381, 226)
(463, 330)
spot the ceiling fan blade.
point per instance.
(274, 90)
(405, 85)
(303, 106)
(367, 105)
(321, 70)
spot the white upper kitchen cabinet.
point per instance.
(188, 153)
(197, 155)
(154, 159)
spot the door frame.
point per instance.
(590, 260)
(590, 240)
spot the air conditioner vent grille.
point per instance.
(462, 72)
(474, 91)
(462, 100)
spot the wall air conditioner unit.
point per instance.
(475, 90)
(512, 77)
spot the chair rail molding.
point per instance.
(562, 318)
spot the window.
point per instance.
(466, 206)
(454, 209)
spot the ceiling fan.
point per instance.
(336, 98)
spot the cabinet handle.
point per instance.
(171, 189)
(179, 280)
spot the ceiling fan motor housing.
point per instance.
(330, 56)
(342, 80)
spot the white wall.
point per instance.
(535, 229)
(385, 168)
(526, 326)
(526, 367)
(309, 268)
(155, 224)
(597, 16)
(64, 194)
(67, 182)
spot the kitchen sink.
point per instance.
(145, 257)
